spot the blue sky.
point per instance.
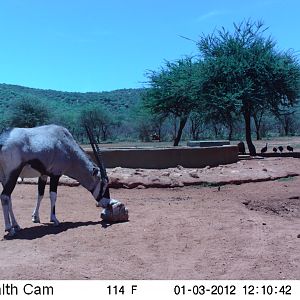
(90, 45)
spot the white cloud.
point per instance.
(211, 14)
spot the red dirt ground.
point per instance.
(246, 231)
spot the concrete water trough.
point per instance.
(208, 143)
(161, 158)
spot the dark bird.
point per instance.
(280, 148)
(290, 148)
(275, 149)
(264, 149)
(241, 146)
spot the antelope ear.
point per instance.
(96, 171)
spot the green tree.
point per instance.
(287, 120)
(197, 124)
(245, 70)
(69, 119)
(28, 112)
(222, 113)
(174, 91)
(98, 119)
(147, 125)
(258, 116)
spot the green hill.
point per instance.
(118, 108)
(118, 101)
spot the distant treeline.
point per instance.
(120, 116)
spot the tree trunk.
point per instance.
(159, 133)
(257, 128)
(195, 132)
(230, 132)
(104, 130)
(195, 128)
(247, 118)
(258, 137)
(174, 121)
(196, 135)
(286, 130)
(216, 130)
(182, 123)
(286, 125)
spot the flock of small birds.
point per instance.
(242, 149)
(280, 148)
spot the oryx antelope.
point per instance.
(45, 151)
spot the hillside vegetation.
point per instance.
(118, 101)
(65, 108)
(124, 116)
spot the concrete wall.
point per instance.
(160, 158)
(208, 143)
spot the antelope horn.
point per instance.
(96, 152)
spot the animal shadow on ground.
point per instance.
(36, 232)
(106, 224)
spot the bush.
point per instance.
(28, 112)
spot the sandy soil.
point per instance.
(189, 230)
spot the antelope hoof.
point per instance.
(16, 228)
(55, 222)
(11, 232)
(36, 219)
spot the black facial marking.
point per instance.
(103, 194)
